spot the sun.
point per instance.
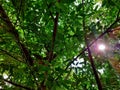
(101, 47)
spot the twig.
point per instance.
(18, 85)
(117, 17)
(68, 74)
(50, 11)
(6, 52)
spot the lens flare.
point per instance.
(101, 47)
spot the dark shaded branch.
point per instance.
(54, 36)
(26, 54)
(94, 69)
(91, 60)
(17, 85)
(55, 28)
(14, 32)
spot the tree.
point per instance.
(52, 44)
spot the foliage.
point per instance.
(40, 40)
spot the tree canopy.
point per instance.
(60, 44)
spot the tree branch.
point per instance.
(14, 32)
(54, 36)
(94, 69)
(89, 53)
(55, 28)
(101, 35)
(92, 62)
(23, 48)
(17, 85)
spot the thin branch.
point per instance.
(50, 11)
(7, 53)
(18, 85)
(117, 17)
(68, 74)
